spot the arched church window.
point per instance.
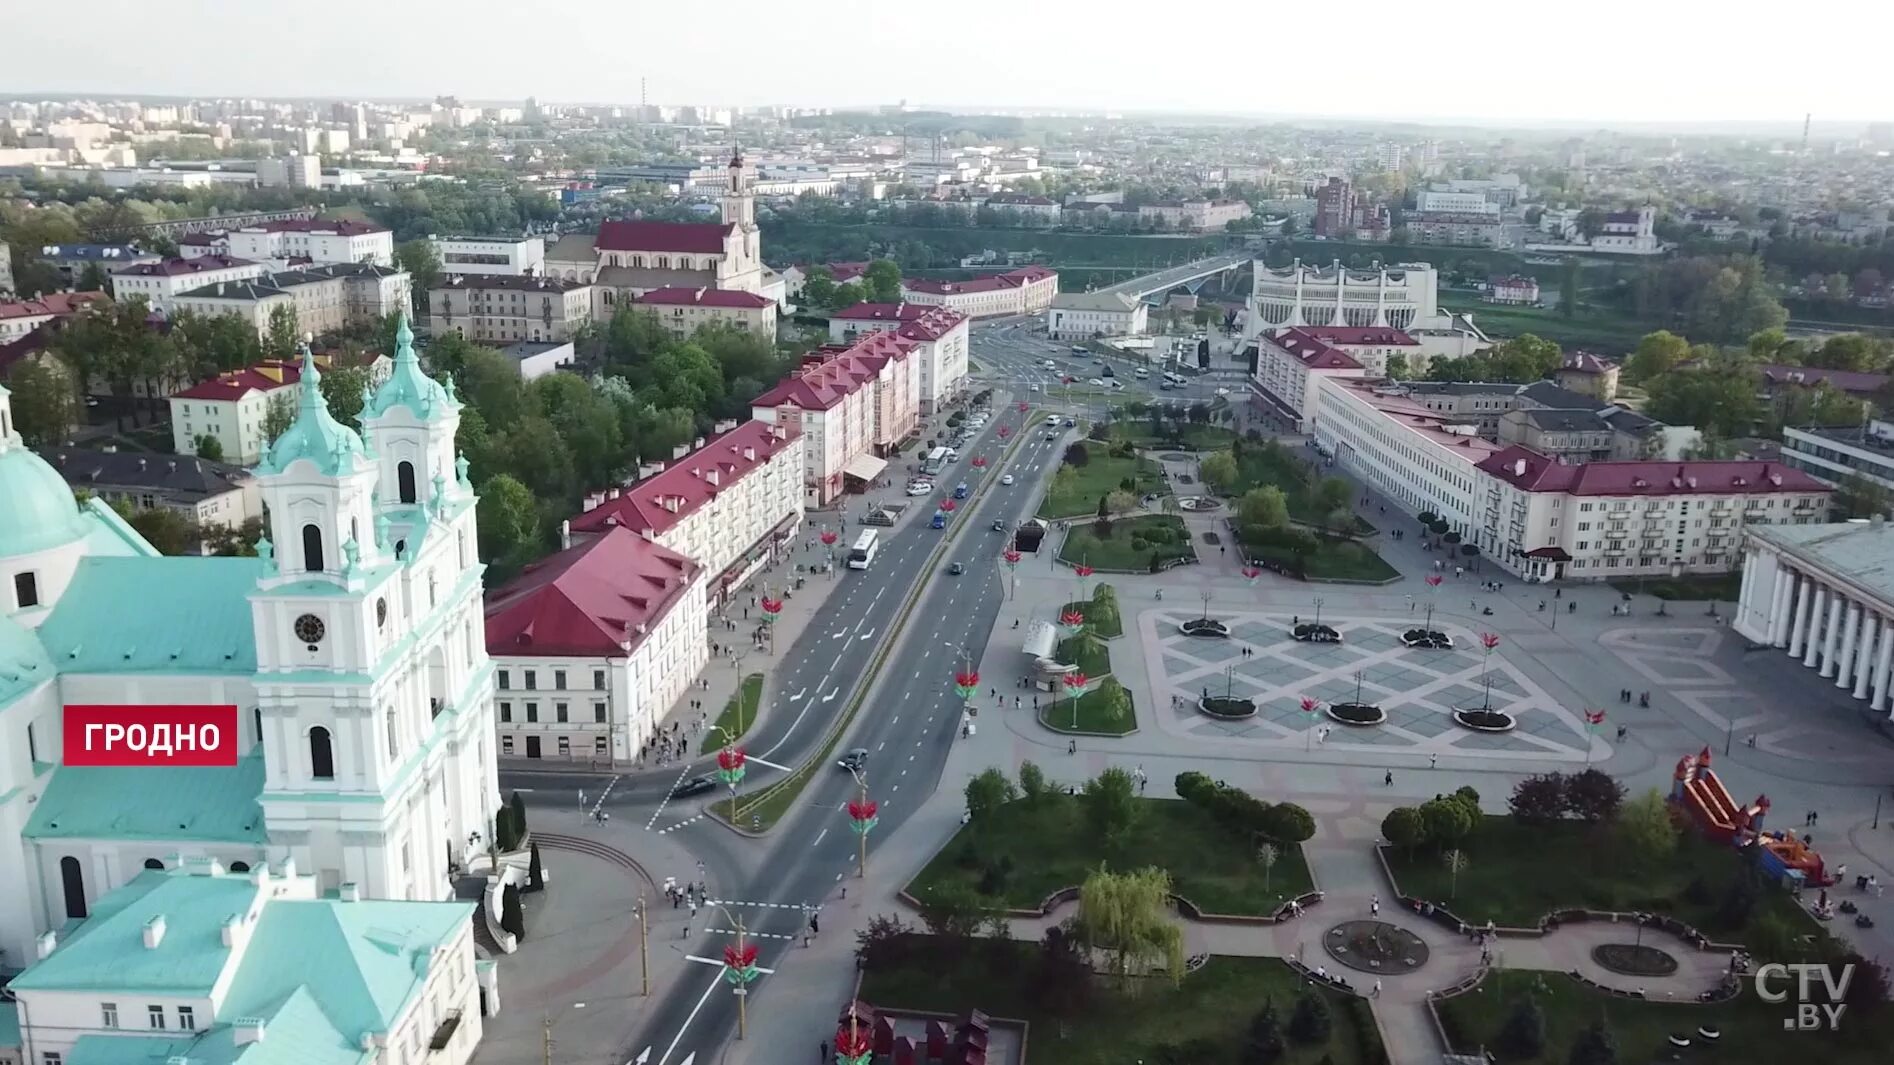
(154, 863)
(312, 549)
(321, 754)
(239, 867)
(404, 476)
(72, 878)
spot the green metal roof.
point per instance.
(315, 434)
(155, 615)
(106, 952)
(409, 386)
(160, 803)
(148, 1049)
(41, 512)
(23, 661)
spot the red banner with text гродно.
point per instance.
(125, 735)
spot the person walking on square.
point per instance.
(1387, 779)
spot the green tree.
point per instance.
(93, 279)
(1112, 699)
(881, 282)
(1333, 493)
(1851, 351)
(278, 416)
(1397, 367)
(1523, 1034)
(1288, 823)
(1219, 471)
(1645, 831)
(284, 335)
(1310, 1023)
(517, 804)
(1120, 502)
(1592, 795)
(45, 404)
(417, 257)
(1718, 399)
(1263, 1044)
(1855, 497)
(1446, 820)
(508, 519)
(209, 447)
(1657, 353)
(818, 288)
(987, 793)
(1263, 508)
(1404, 827)
(1111, 804)
(953, 910)
(345, 389)
(1032, 783)
(1127, 916)
(1595, 1045)
(165, 529)
(535, 876)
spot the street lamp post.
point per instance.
(1318, 610)
(644, 944)
(861, 816)
(739, 969)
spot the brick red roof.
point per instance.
(1846, 380)
(1586, 362)
(182, 267)
(831, 374)
(990, 283)
(56, 304)
(840, 273)
(704, 297)
(1345, 335)
(1314, 353)
(1529, 471)
(696, 238)
(266, 376)
(918, 321)
(601, 597)
(663, 499)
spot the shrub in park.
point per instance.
(512, 918)
(1447, 821)
(1310, 1023)
(535, 876)
(1523, 1034)
(1032, 782)
(1593, 796)
(1595, 1046)
(1077, 455)
(1288, 823)
(988, 792)
(1539, 799)
(518, 805)
(1264, 1045)
(1404, 828)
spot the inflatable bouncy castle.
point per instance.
(1696, 788)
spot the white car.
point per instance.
(1007, 479)
(920, 488)
(1223, 391)
(1096, 382)
(1032, 388)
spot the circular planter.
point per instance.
(1198, 504)
(1427, 639)
(1484, 719)
(1634, 959)
(1375, 947)
(1358, 714)
(1307, 633)
(1227, 709)
(1208, 628)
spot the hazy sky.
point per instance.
(1605, 60)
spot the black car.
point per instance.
(694, 786)
(855, 760)
(956, 569)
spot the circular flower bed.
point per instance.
(1375, 947)
(1205, 627)
(1634, 959)
(1429, 639)
(1231, 709)
(1355, 713)
(1308, 633)
(1484, 719)
(1198, 504)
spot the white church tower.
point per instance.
(743, 249)
(373, 684)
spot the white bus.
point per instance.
(936, 460)
(863, 552)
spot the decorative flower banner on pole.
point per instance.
(730, 766)
(739, 965)
(853, 1046)
(1073, 622)
(967, 684)
(1309, 707)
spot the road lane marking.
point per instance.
(818, 838)
(695, 1010)
(666, 801)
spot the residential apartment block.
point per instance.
(1197, 216)
(1027, 290)
(158, 283)
(851, 405)
(22, 317)
(315, 240)
(940, 336)
(1289, 364)
(232, 407)
(682, 310)
(505, 309)
(205, 493)
(323, 298)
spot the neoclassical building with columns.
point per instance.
(1825, 594)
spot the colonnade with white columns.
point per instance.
(1844, 635)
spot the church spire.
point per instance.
(315, 434)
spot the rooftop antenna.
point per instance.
(1805, 131)
(642, 101)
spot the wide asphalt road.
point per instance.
(907, 731)
(812, 682)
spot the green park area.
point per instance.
(1092, 471)
(1085, 651)
(1142, 543)
(1102, 618)
(1104, 709)
(1157, 433)
(1727, 587)
(1077, 1017)
(1286, 516)
(1029, 839)
(739, 714)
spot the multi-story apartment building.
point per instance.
(499, 308)
(1511, 289)
(506, 256)
(159, 282)
(323, 298)
(851, 405)
(939, 335)
(730, 504)
(1444, 201)
(314, 240)
(1289, 365)
(1836, 455)
(72, 260)
(1371, 346)
(1020, 204)
(1465, 230)
(205, 493)
(19, 318)
(1085, 315)
(593, 646)
(1197, 216)
(1027, 290)
(232, 407)
(681, 310)
(1334, 209)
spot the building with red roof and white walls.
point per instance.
(851, 404)
(1372, 346)
(729, 503)
(1512, 290)
(593, 646)
(21, 317)
(1290, 363)
(939, 333)
(286, 244)
(160, 281)
(1027, 290)
(232, 408)
(682, 310)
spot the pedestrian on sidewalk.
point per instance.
(1071, 746)
(1374, 906)
(822, 1053)
(1376, 993)
(1387, 779)
(1433, 761)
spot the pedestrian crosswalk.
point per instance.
(681, 824)
(749, 934)
(757, 905)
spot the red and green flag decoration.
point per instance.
(948, 506)
(1024, 406)
(853, 1046)
(1074, 683)
(967, 684)
(739, 964)
(771, 608)
(1593, 719)
(1250, 573)
(979, 462)
(1309, 705)
(1083, 570)
(1012, 559)
(730, 767)
(1004, 432)
(861, 815)
(1073, 622)
(829, 537)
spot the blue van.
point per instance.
(960, 490)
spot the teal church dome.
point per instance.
(38, 511)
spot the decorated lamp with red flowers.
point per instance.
(1011, 558)
(1250, 573)
(1488, 640)
(1072, 621)
(967, 684)
(771, 609)
(829, 536)
(1433, 582)
(979, 462)
(1074, 683)
(1004, 432)
(730, 766)
(1309, 706)
(853, 1045)
(739, 964)
(1024, 406)
(947, 506)
(862, 815)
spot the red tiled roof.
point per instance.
(1512, 281)
(1344, 335)
(918, 321)
(990, 283)
(1846, 380)
(663, 499)
(840, 273)
(831, 374)
(697, 238)
(1314, 353)
(1585, 362)
(53, 303)
(266, 376)
(596, 598)
(1529, 471)
(181, 267)
(704, 297)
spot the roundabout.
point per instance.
(1375, 947)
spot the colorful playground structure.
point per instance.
(1696, 788)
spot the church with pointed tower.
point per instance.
(352, 645)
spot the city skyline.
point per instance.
(1042, 59)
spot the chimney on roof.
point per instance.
(44, 945)
(680, 451)
(154, 931)
(565, 535)
(247, 1030)
(1519, 467)
(350, 892)
(233, 930)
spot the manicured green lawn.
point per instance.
(1128, 544)
(1086, 652)
(1261, 465)
(1605, 334)
(1101, 617)
(1724, 586)
(1517, 873)
(1751, 1030)
(738, 714)
(1335, 560)
(1094, 718)
(1202, 1021)
(1051, 847)
(1101, 475)
(1195, 437)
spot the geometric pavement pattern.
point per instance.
(1418, 689)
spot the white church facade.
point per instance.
(352, 646)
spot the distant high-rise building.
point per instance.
(1390, 157)
(1333, 208)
